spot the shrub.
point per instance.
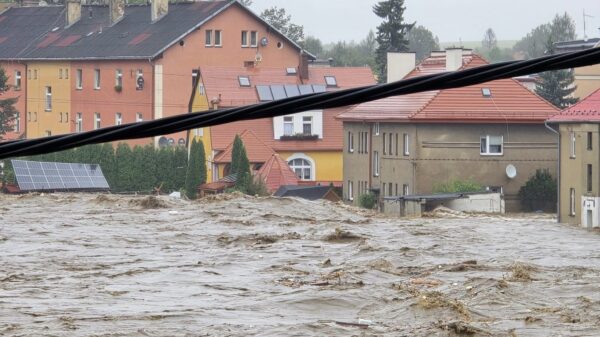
(257, 187)
(540, 192)
(457, 186)
(368, 200)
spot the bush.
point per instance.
(457, 186)
(540, 192)
(257, 187)
(368, 200)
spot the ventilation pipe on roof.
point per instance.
(117, 10)
(399, 65)
(159, 9)
(454, 59)
(73, 11)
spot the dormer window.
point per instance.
(331, 81)
(486, 92)
(244, 81)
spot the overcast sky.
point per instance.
(450, 20)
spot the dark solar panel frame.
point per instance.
(264, 93)
(47, 176)
(305, 89)
(278, 92)
(292, 90)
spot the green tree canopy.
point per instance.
(278, 18)
(8, 112)
(240, 165)
(535, 43)
(391, 33)
(557, 86)
(422, 41)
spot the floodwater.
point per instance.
(104, 265)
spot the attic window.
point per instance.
(244, 81)
(291, 71)
(331, 81)
(486, 92)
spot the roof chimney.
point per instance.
(454, 59)
(73, 11)
(304, 66)
(159, 9)
(117, 10)
(400, 65)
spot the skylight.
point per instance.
(331, 81)
(486, 92)
(291, 71)
(244, 81)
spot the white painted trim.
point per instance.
(158, 95)
(313, 171)
(317, 123)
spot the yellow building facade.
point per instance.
(48, 99)
(587, 80)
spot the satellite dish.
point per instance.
(264, 42)
(511, 171)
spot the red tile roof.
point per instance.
(510, 101)
(277, 173)
(257, 150)
(224, 81)
(587, 110)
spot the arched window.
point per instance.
(302, 167)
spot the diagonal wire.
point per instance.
(292, 105)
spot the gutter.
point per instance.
(557, 171)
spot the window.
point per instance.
(96, 79)
(35, 116)
(253, 39)
(119, 78)
(48, 133)
(390, 144)
(244, 38)
(376, 164)
(572, 203)
(291, 71)
(589, 140)
(244, 81)
(35, 73)
(396, 194)
(376, 129)
(307, 125)
(60, 73)
(360, 143)
(97, 121)
(61, 117)
(396, 148)
(572, 139)
(48, 99)
(79, 79)
(218, 42)
(195, 75)
(288, 125)
(331, 81)
(29, 116)
(17, 127)
(118, 118)
(139, 117)
(589, 178)
(139, 80)
(390, 191)
(66, 74)
(302, 168)
(17, 80)
(384, 144)
(366, 142)
(405, 189)
(201, 89)
(29, 74)
(491, 145)
(486, 92)
(79, 122)
(350, 190)
(208, 41)
(350, 142)
(383, 190)
(406, 144)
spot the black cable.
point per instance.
(297, 104)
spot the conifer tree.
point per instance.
(192, 176)
(235, 154)
(202, 162)
(557, 86)
(244, 176)
(8, 111)
(391, 33)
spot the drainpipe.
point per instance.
(558, 170)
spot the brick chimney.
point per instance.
(454, 59)
(159, 9)
(116, 9)
(399, 65)
(73, 11)
(304, 66)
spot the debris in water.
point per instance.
(342, 236)
(150, 202)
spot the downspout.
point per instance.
(557, 171)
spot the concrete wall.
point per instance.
(476, 203)
(21, 94)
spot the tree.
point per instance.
(313, 45)
(240, 165)
(422, 41)
(192, 176)
(391, 33)
(8, 112)
(351, 54)
(540, 192)
(278, 18)
(535, 43)
(557, 86)
(235, 154)
(489, 41)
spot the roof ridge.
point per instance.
(581, 101)
(437, 93)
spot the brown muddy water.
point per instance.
(89, 265)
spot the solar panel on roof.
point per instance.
(264, 93)
(292, 90)
(43, 176)
(318, 88)
(278, 92)
(305, 89)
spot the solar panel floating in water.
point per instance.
(46, 176)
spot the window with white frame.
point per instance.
(384, 144)
(17, 126)
(307, 125)
(96, 79)
(572, 202)
(406, 144)
(376, 129)
(139, 117)
(66, 73)
(405, 189)
(244, 38)
(376, 163)
(17, 80)
(218, 38)
(97, 121)
(48, 105)
(572, 139)
(119, 78)
(350, 142)
(253, 38)
(60, 74)
(350, 190)
(118, 118)
(208, 38)
(288, 125)
(79, 122)
(390, 144)
(79, 79)
(302, 168)
(492, 145)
